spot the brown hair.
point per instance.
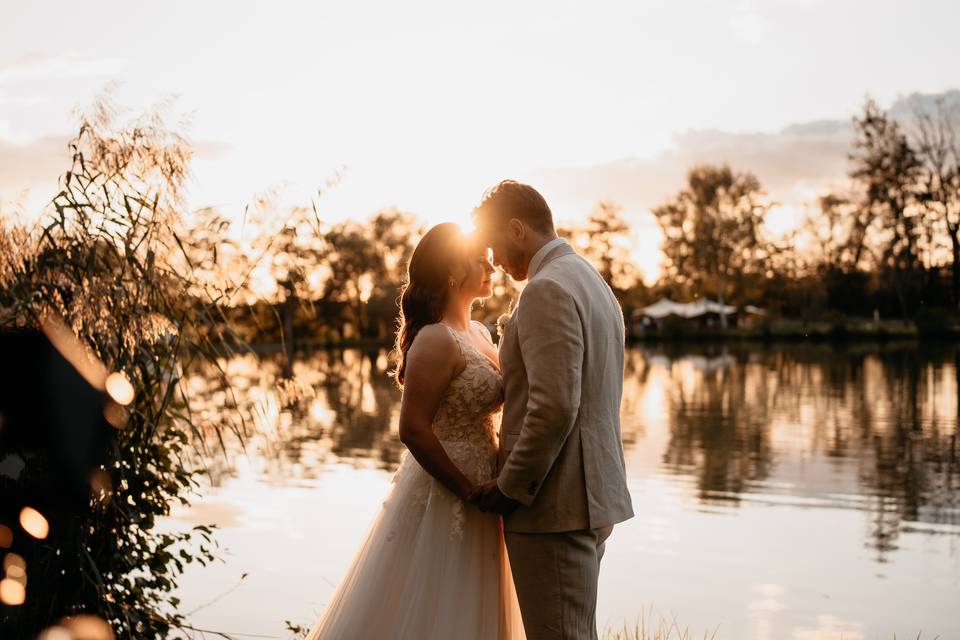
(512, 199)
(443, 249)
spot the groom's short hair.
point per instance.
(512, 199)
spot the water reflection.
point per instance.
(800, 421)
(864, 427)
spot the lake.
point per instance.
(781, 491)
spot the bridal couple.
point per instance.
(494, 526)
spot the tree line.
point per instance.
(886, 243)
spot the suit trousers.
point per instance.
(555, 575)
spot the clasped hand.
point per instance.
(489, 498)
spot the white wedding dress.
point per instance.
(432, 567)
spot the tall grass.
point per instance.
(646, 629)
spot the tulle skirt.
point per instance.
(431, 567)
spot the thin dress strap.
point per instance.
(457, 337)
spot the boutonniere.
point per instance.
(504, 318)
(502, 322)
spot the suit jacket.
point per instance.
(561, 354)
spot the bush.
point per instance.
(673, 328)
(113, 260)
(935, 321)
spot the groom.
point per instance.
(562, 483)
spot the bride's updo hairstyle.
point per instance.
(442, 254)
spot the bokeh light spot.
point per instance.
(13, 563)
(12, 592)
(56, 633)
(119, 388)
(6, 536)
(34, 523)
(88, 628)
(115, 415)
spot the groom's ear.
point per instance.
(517, 229)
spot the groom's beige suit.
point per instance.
(561, 458)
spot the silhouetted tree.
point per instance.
(364, 265)
(886, 169)
(938, 150)
(606, 242)
(712, 231)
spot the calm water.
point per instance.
(790, 491)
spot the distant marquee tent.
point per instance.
(703, 310)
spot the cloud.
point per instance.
(57, 65)
(29, 170)
(794, 166)
(799, 157)
(37, 164)
(905, 107)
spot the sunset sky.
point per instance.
(425, 104)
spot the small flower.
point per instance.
(502, 324)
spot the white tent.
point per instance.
(663, 308)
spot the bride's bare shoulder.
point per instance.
(435, 340)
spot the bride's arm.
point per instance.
(432, 361)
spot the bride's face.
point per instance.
(476, 282)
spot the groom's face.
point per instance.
(507, 250)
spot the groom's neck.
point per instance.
(537, 241)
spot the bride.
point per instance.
(432, 565)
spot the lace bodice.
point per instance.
(466, 424)
(472, 401)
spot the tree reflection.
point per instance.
(339, 406)
(865, 427)
(887, 414)
(718, 416)
(366, 403)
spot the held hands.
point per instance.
(490, 499)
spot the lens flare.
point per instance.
(12, 561)
(119, 388)
(6, 536)
(34, 523)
